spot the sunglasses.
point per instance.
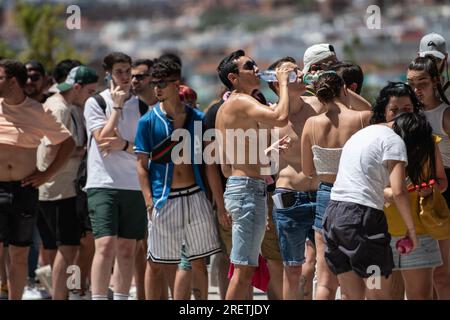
(249, 65)
(161, 84)
(34, 77)
(139, 76)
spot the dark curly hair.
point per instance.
(328, 86)
(393, 89)
(416, 132)
(166, 68)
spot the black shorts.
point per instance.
(83, 213)
(58, 223)
(357, 239)
(18, 213)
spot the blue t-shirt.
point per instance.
(153, 128)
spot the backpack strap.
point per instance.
(102, 104)
(100, 101)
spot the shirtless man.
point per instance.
(19, 177)
(174, 190)
(294, 215)
(245, 193)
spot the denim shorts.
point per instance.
(426, 255)
(293, 225)
(245, 200)
(323, 197)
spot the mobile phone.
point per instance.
(288, 199)
(108, 79)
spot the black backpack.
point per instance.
(82, 169)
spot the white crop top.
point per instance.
(326, 160)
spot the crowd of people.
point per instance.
(100, 191)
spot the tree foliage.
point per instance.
(44, 29)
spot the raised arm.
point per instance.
(357, 102)
(275, 116)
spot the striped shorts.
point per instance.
(187, 218)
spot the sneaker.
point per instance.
(31, 293)
(44, 275)
(75, 295)
(133, 293)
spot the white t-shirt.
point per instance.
(118, 169)
(363, 173)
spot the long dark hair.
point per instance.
(416, 132)
(429, 65)
(393, 89)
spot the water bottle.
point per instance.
(404, 245)
(310, 78)
(271, 76)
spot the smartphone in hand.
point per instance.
(108, 79)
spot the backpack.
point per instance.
(81, 180)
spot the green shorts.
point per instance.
(116, 212)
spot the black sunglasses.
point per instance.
(249, 65)
(162, 83)
(139, 76)
(34, 77)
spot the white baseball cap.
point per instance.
(433, 44)
(317, 53)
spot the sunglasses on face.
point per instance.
(249, 65)
(139, 76)
(34, 77)
(161, 84)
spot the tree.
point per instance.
(43, 27)
(5, 51)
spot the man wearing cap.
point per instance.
(434, 44)
(36, 81)
(58, 222)
(23, 123)
(319, 57)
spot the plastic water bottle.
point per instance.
(271, 76)
(310, 78)
(404, 245)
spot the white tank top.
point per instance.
(435, 118)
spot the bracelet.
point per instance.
(126, 145)
(117, 108)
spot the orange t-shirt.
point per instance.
(24, 125)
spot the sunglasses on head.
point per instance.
(249, 65)
(139, 76)
(34, 77)
(162, 83)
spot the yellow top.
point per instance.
(396, 226)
